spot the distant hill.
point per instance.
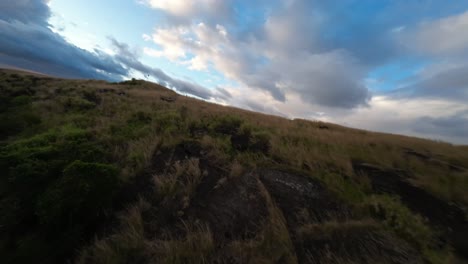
(132, 172)
(14, 70)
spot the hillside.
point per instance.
(131, 172)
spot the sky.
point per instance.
(395, 66)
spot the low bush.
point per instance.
(169, 122)
(92, 96)
(76, 103)
(401, 220)
(32, 165)
(250, 139)
(84, 190)
(140, 118)
(16, 114)
(228, 125)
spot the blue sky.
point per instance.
(391, 65)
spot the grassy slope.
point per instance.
(72, 151)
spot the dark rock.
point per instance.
(444, 215)
(234, 208)
(294, 193)
(240, 142)
(353, 243)
(428, 158)
(106, 90)
(168, 99)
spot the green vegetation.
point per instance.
(95, 172)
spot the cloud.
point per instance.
(25, 11)
(445, 80)
(40, 46)
(282, 57)
(454, 125)
(183, 12)
(443, 44)
(451, 82)
(27, 40)
(431, 118)
(130, 59)
(184, 8)
(445, 36)
(331, 79)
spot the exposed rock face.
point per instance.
(168, 99)
(236, 209)
(321, 226)
(447, 217)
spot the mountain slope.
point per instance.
(131, 172)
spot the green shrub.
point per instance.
(133, 81)
(77, 104)
(4, 103)
(348, 190)
(15, 122)
(21, 100)
(228, 125)
(32, 164)
(42, 190)
(241, 140)
(79, 196)
(250, 139)
(136, 126)
(16, 114)
(140, 118)
(260, 142)
(169, 122)
(401, 220)
(92, 96)
(184, 112)
(198, 128)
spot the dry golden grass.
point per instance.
(299, 143)
(180, 182)
(196, 247)
(134, 125)
(273, 244)
(125, 245)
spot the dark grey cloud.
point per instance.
(367, 28)
(449, 82)
(25, 11)
(259, 107)
(329, 79)
(129, 58)
(230, 13)
(26, 39)
(222, 94)
(449, 126)
(265, 79)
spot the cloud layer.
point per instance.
(281, 56)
